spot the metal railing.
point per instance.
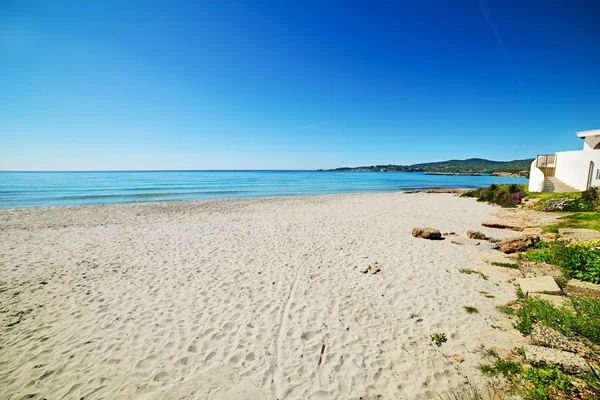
(546, 163)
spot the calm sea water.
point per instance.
(34, 189)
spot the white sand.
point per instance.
(234, 299)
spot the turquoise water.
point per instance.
(35, 189)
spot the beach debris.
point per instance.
(502, 225)
(519, 243)
(375, 268)
(476, 235)
(545, 336)
(583, 289)
(569, 363)
(458, 358)
(321, 355)
(541, 284)
(427, 233)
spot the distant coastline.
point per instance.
(468, 167)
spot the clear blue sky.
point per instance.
(292, 84)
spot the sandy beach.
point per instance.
(246, 299)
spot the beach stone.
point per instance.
(545, 336)
(557, 301)
(502, 225)
(476, 235)
(519, 243)
(532, 270)
(427, 233)
(579, 234)
(583, 289)
(541, 284)
(569, 363)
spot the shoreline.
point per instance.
(433, 190)
(213, 298)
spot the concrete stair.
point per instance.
(552, 184)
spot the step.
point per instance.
(552, 184)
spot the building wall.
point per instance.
(572, 167)
(590, 142)
(536, 178)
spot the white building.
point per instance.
(568, 171)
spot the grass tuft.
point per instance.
(471, 310)
(470, 271)
(505, 265)
(466, 392)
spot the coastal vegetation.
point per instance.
(502, 195)
(585, 201)
(579, 323)
(579, 260)
(468, 166)
(582, 320)
(582, 220)
(542, 382)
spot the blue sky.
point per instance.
(292, 85)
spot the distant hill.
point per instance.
(469, 166)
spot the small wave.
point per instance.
(148, 195)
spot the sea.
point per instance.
(40, 189)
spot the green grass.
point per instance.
(543, 196)
(500, 367)
(506, 310)
(471, 310)
(583, 322)
(505, 265)
(470, 271)
(486, 294)
(577, 260)
(584, 220)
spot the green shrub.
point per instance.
(592, 197)
(439, 338)
(503, 195)
(579, 260)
